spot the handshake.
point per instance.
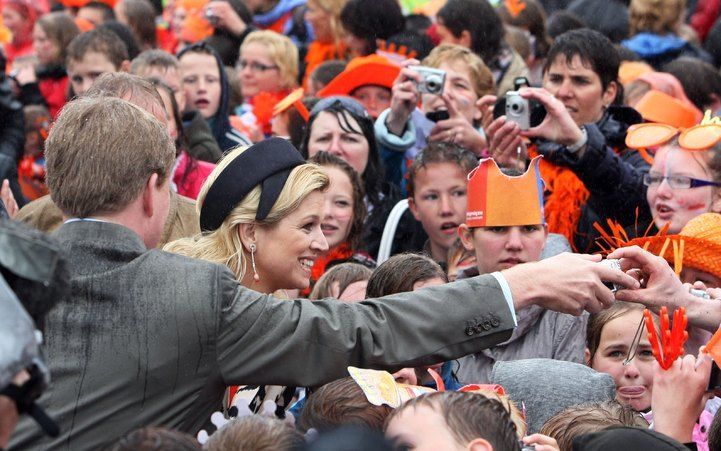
(574, 283)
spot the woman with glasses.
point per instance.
(683, 184)
(268, 71)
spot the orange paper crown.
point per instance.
(495, 199)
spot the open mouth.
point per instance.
(307, 263)
(449, 228)
(202, 103)
(664, 211)
(328, 228)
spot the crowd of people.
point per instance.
(360, 224)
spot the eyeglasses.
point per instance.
(256, 67)
(676, 181)
(649, 135)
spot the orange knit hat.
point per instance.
(697, 246)
(362, 71)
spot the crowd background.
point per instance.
(383, 184)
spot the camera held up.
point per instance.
(526, 113)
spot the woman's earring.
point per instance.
(256, 277)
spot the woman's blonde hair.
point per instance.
(281, 50)
(223, 245)
(656, 16)
(333, 8)
(481, 76)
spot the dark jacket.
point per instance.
(614, 179)
(199, 136)
(12, 138)
(151, 338)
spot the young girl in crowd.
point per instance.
(346, 282)
(207, 90)
(47, 83)
(344, 213)
(189, 174)
(324, 18)
(410, 272)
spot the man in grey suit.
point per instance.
(151, 338)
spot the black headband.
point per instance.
(267, 163)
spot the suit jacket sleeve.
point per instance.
(264, 340)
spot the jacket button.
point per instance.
(469, 331)
(486, 325)
(495, 322)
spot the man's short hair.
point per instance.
(101, 152)
(593, 48)
(101, 41)
(480, 19)
(481, 77)
(587, 418)
(342, 402)
(468, 416)
(134, 89)
(255, 432)
(440, 152)
(104, 8)
(151, 59)
(154, 439)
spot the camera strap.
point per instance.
(23, 397)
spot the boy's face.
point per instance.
(421, 428)
(82, 73)
(201, 82)
(439, 203)
(459, 85)
(499, 248)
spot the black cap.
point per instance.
(267, 163)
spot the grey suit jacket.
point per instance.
(152, 338)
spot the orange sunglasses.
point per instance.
(698, 137)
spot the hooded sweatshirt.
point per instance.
(226, 136)
(546, 386)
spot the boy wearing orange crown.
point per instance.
(505, 226)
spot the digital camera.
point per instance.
(432, 80)
(526, 113)
(211, 17)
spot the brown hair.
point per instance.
(98, 40)
(481, 76)
(440, 152)
(155, 58)
(597, 321)
(468, 416)
(359, 207)
(344, 273)
(587, 418)
(342, 402)
(154, 439)
(531, 18)
(399, 273)
(136, 90)
(255, 433)
(141, 21)
(61, 29)
(94, 165)
(655, 16)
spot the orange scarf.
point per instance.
(341, 252)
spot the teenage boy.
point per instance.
(505, 226)
(93, 54)
(437, 182)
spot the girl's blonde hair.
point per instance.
(333, 8)
(656, 16)
(223, 245)
(281, 50)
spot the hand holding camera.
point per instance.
(455, 128)
(404, 98)
(221, 15)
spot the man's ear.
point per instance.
(466, 236)
(479, 444)
(413, 207)
(465, 39)
(247, 234)
(149, 195)
(609, 95)
(124, 66)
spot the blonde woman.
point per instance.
(260, 213)
(324, 17)
(268, 71)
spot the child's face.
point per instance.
(634, 382)
(421, 428)
(46, 49)
(201, 82)
(460, 85)
(338, 212)
(439, 203)
(82, 73)
(499, 248)
(375, 99)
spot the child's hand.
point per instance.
(679, 396)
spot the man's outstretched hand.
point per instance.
(567, 283)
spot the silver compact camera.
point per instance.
(432, 81)
(613, 264)
(518, 110)
(211, 17)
